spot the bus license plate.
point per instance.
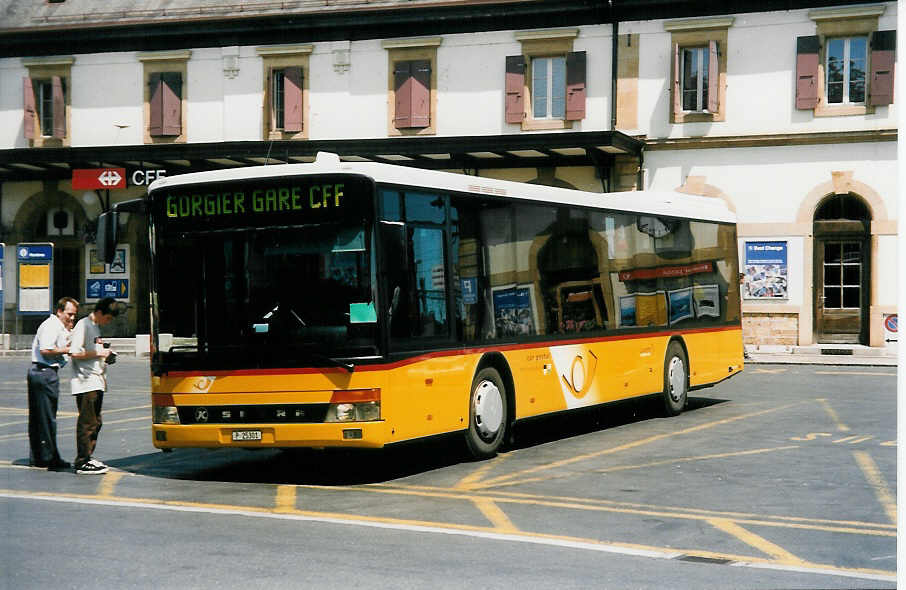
(246, 435)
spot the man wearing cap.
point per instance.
(50, 344)
(89, 364)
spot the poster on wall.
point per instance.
(107, 280)
(643, 309)
(765, 274)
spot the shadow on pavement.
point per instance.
(339, 467)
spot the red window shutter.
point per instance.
(292, 99)
(171, 91)
(575, 85)
(420, 113)
(807, 72)
(59, 108)
(677, 91)
(515, 85)
(713, 77)
(883, 56)
(28, 115)
(402, 113)
(156, 104)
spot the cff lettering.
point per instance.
(264, 200)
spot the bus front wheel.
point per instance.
(676, 379)
(487, 414)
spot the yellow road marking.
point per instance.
(24, 435)
(286, 498)
(469, 481)
(870, 373)
(830, 412)
(876, 481)
(771, 371)
(108, 483)
(503, 479)
(698, 458)
(441, 527)
(494, 514)
(760, 543)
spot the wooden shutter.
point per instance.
(713, 78)
(59, 108)
(172, 103)
(515, 86)
(677, 91)
(883, 55)
(156, 104)
(420, 113)
(402, 80)
(807, 72)
(575, 85)
(28, 115)
(292, 99)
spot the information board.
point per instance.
(35, 275)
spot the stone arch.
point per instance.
(695, 185)
(842, 183)
(32, 211)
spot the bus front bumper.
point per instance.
(346, 434)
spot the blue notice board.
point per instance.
(99, 288)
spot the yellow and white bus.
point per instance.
(354, 304)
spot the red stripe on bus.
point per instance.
(443, 353)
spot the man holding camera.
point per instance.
(90, 358)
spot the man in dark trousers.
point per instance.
(50, 344)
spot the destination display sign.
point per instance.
(264, 202)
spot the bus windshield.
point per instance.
(268, 295)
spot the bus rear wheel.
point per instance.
(487, 414)
(676, 379)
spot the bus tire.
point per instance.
(676, 379)
(487, 414)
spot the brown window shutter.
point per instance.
(807, 72)
(713, 77)
(59, 108)
(28, 115)
(515, 84)
(575, 85)
(420, 112)
(172, 103)
(402, 76)
(156, 104)
(677, 91)
(883, 56)
(292, 100)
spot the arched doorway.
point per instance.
(842, 231)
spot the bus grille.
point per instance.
(255, 414)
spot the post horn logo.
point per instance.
(581, 373)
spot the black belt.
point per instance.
(43, 366)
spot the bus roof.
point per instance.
(667, 203)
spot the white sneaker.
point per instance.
(92, 467)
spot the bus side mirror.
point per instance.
(108, 224)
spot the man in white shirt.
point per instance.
(89, 364)
(47, 349)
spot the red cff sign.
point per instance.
(93, 178)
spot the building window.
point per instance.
(46, 101)
(845, 66)
(545, 85)
(699, 69)
(286, 100)
(165, 95)
(695, 69)
(549, 87)
(285, 90)
(412, 85)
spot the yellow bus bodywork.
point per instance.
(429, 395)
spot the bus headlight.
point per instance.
(354, 405)
(164, 415)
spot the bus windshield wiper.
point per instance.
(348, 367)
